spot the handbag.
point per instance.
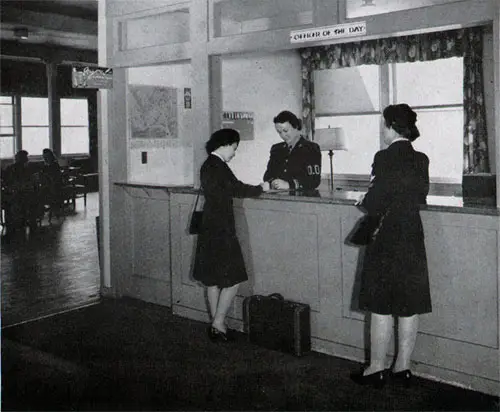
(366, 229)
(196, 219)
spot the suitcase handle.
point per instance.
(277, 296)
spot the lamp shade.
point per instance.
(332, 138)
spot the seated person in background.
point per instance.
(294, 164)
(21, 195)
(51, 181)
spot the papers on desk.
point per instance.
(278, 191)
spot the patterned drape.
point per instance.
(475, 132)
(466, 43)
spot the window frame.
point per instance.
(18, 134)
(13, 135)
(388, 94)
(41, 126)
(77, 154)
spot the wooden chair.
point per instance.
(79, 184)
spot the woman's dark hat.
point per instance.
(402, 117)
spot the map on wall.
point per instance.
(153, 112)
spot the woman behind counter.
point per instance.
(394, 278)
(219, 262)
(294, 164)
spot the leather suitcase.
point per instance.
(275, 323)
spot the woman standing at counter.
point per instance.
(219, 262)
(394, 278)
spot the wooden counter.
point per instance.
(295, 245)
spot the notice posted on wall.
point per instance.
(240, 121)
(87, 77)
(353, 29)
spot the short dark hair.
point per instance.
(222, 137)
(21, 156)
(50, 153)
(402, 119)
(286, 116)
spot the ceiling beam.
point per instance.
(15, 50)
(47, 21)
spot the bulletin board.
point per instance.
(240, 121)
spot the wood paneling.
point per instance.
(298, 249)
(286, 261)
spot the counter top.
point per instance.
(449, 204)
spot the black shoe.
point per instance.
(404, 377)
(377, 379)
(231, 334)
(217, 335)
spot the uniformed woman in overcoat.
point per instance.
(219, 263)
(394, 277)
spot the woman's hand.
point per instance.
(265, 186)
(360, 200)
(280, 184)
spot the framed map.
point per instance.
(152, 112)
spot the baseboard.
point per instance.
(190, 313)
(108, 292)
(150, 290)
(202, 316)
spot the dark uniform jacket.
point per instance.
(301, 167)
(400, 177)
(219, 186)
(394, 278)
(219, 260)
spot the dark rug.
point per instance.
(129, 355)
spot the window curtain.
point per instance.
(466, 43)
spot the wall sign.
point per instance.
(328, 33)
(240, 121)
(87, 77)
(187, 97)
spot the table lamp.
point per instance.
(329, 140)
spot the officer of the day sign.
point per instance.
(329, 33)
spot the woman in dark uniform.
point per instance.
(295, 163)
(219, 262)
(394, 277)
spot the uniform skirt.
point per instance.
(219, 261)
(394, 276)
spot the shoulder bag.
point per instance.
(195, 223)
(366, 229)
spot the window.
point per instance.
(433, 89)
(74, 126)
(24, 124)
(350, 98)
(7, 140)
(35, 124)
